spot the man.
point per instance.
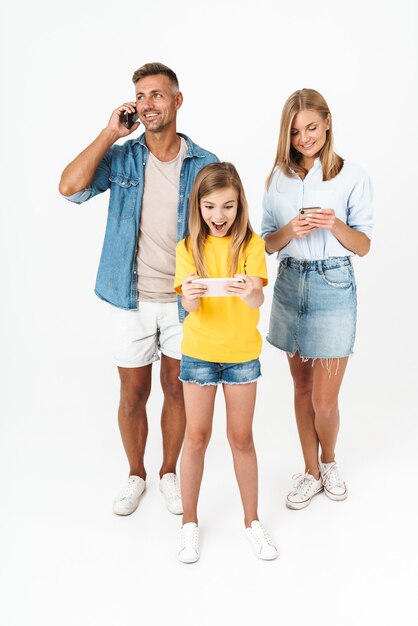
(150, 179)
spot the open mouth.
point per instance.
(308, 146)
(151, 116)
(219, 225)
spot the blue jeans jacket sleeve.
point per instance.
(122, 171)
(100, 183)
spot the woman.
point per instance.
(313, 316)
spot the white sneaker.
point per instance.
(188, 543)
(126, 502)
(262, 543)
(170, 488)
(334, 486)
(304, 489)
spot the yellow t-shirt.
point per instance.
(222, 330)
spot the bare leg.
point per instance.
(173, 416)
(133, 425)
(199, 401)
(326, 387)
(240, 402)
(302, 374)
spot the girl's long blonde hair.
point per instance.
(212, 178)
(287, 158)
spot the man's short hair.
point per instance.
(151, 69)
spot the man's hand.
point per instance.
(115, 124)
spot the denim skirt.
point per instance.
(314, 308)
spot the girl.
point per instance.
(221, 343)
(313, 315)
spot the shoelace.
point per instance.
(303, 483)
(331, 477)
(189, 539)
(129, 490)
(173, 487)
(265, 536)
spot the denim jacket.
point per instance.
(122, 170)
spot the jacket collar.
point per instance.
(193, 150)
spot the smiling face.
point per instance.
(308, 134)
(157, 102)
(219, 210)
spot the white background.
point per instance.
(65, 559)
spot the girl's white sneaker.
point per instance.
(188, 543)
(261, 541)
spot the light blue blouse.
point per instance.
(349, 194)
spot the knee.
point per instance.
(324, 408)
(241, 442)
(133, 397)
(172, 387)
(303, 386)
(196, 440)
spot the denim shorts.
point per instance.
(314, 308)
(210, 373)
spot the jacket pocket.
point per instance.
(123, 196)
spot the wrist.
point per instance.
(110, 135)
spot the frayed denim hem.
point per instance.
(325, 362)
(196, 382)
(220, 382)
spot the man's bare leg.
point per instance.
(173, 416)
(133, 424)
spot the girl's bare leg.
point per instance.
(240, 401)
(199, 402)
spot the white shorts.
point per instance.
(139, 334)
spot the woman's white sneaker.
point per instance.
(304, 489)
(262, 543)
(126, 502)
(334, 486)
(188, 543)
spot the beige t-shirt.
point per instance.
(156, 258)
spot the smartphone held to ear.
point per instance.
(128, 119)
(308, 211)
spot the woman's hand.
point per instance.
(300, 228)
(323, 218)
(248, 288)
(352, 239)
(295, 229)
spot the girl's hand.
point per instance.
(325, 218)
(192, 291)
(244, 286)
(248, 288)
(300, 228)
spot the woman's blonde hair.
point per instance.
(212, 178)
(287, 158)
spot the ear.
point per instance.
(179, 100)
(328, 121)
